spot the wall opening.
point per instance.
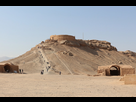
(7, 68)
(114, 71)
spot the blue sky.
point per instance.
(23, 27)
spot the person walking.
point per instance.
(42, 72)
(19, 70)
(59, 73)
(22, 71)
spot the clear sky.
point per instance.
(23, 27)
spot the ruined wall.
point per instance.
(1, 68)
(62, 37)
(124, 71)
(104, 70)
(12, 68)
(130, 79)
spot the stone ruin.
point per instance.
(71, 41)
(8, 68)
(111, 70)
(129, 79)
(62, 37)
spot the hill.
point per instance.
(4, 58)
(72, 57)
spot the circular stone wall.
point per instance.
(62, 37)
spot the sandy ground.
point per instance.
(36, 85)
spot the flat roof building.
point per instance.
(8, 68)
(115, 70)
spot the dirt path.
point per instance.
(36, 85)
(64, 64)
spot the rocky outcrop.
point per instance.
(100, 44)
(90, 43)
(67, 53)
(128, 53)
(42, 42)
(70, 43)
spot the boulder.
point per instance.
(63, 41)
(48, 40)
(70, 54)
(67, 53)
(120, 62)
(42, 42)
(72, 43)
(82, 43)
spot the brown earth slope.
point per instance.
(72, 57)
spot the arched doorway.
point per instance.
(114, 70)
(7, 68)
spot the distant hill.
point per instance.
(78, 57)
(4, 58)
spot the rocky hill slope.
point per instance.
(72, 57)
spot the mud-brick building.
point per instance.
(62, 37)
(8, 68)
(110, 70)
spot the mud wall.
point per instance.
(104, 70)
(130, 79)
(62, 37)
(2, 68)
(12, 68)
(124, 71)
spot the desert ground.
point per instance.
(36, 85)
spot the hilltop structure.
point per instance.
(62, 37)
(71, 41)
